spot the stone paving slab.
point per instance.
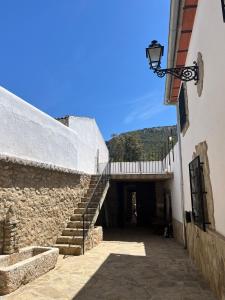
(129, 264)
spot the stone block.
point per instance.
(25, 266)
(207, 249)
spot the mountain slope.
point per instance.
(141, 144)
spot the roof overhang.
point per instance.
(182, 16)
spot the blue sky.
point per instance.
(86, 58)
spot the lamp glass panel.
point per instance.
(155, 53)
(154, 64)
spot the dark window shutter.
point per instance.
(223, 9)
(197, 193)
(182, 108)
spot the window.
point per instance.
(182, 108)
(198, 193)
(223, 8)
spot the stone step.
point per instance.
(73, 232)
(68, 249)
(81, 210)
(84, 200)
(72, 240)
(95, 182)
(82, 205)
(90, 195)
(95, 178)
(90, 192)
(87, 200)
(79, 217)
(91, 210)
(77, 224)
(93, 204)
(92, 184)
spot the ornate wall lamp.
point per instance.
(154, 54)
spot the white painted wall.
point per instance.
(28, 133)
(207, 113)
(87, 129)
(174, 185)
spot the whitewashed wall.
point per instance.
(28, 133)
(174, 185)
(87, 129)
(207, 113)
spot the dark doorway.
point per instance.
(129, 204)
(168, 214)
(146, 203)
(136, 204)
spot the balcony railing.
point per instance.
(161, 164)
(136, 167)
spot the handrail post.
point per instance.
(83, 234)
(162, 159)
(139, 167)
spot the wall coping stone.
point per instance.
(38, 164)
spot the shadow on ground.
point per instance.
(163, 273)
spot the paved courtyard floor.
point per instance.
(130, 264)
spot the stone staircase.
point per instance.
(71, 240)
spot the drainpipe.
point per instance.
(181, 178)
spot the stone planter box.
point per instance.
(26, 265)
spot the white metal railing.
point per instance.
(163, 164)
(136, 167)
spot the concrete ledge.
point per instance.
(141, 177)
(20, 268)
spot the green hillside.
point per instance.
(143, 144)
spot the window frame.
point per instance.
(197, 193)
(223, 9)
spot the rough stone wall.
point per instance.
(207, 249)
(94, 238)
(1, 236)
(43, 197)
(10, 237)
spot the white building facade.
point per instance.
(197, 33)
(28, 133)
